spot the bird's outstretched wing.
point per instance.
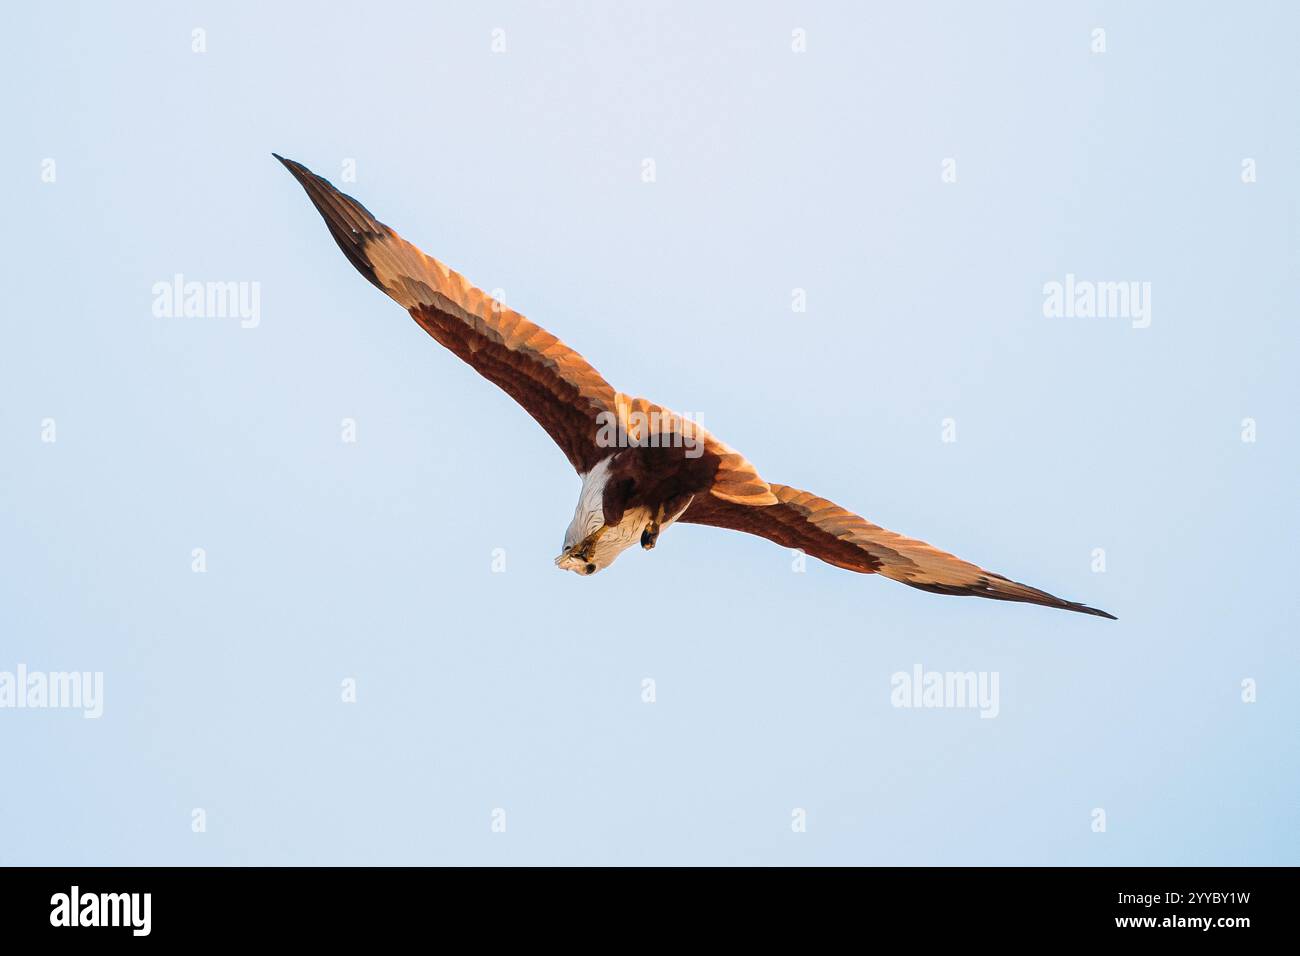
(552, 382)
(842, 538)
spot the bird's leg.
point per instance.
(650, 536)
(667, 512)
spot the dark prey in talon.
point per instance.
(643, 467)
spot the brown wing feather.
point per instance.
(844, 539)
(552, 382)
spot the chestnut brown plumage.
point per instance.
(632, 481)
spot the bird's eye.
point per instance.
(591, 569)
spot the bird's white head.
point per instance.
(590, 545)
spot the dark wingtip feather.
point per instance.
(997, 588)
(349, 222)
(1084, 609)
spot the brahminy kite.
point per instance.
(643, 467)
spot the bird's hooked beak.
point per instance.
(576, 560)
(577, 557)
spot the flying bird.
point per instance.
(643, 467)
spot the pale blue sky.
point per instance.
(522, 690)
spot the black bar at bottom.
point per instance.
(371, 904)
